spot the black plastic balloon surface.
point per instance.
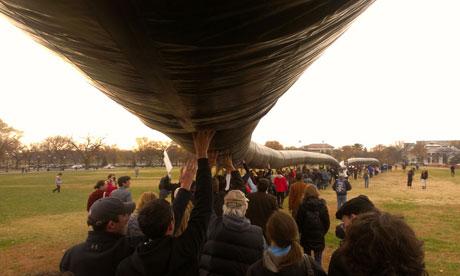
(182, 66)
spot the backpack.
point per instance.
(341, 187)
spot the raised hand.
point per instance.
(228, 161)
(202, 139)
(213, 158)
(188, 174)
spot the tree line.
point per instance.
(91, 152)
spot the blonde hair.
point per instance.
(185, 218)
(144, 198)
(311, 191)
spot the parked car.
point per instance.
(109, 166)
(77, 167)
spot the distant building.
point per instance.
(438, 152)
(321, 148)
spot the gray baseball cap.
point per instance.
(108, 208)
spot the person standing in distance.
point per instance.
(58, 182)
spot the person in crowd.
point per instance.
(58, 183)
(165, 186)
(106, 244)
(424, 178)
(410, 177)
(296, 195)
(341, 188)
(347, 213)
(122, 192)
(99, 192)
(162, 253)
(234, 179)
(281, 187)
(366, 179)
(133, 225)
(111, 184)
(233, 243)
(249, 179)
(313, 222)
(383, 244)
(452, 170)
(261, 204)
(325, 178)
(284, 256)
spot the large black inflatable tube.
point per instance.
(182, 66)
(363, 161)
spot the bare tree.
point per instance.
(177, 154)
(88, 148)
(55, 149)
(419, 150)
(149, 152)
(9, 138)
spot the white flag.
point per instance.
(167, 162)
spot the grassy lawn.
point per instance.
(37, 226)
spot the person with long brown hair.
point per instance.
(383, 244)
(313, 221)
(285, 255)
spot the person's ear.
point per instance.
(110, 226)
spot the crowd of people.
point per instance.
(229, 224)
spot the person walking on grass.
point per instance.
(410, 178)
(424, 178)
(366, 179)
(58, 182)
(281, 188)
(452, 170)
(341, 188)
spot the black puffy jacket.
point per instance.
(313, 222)
(233, 245)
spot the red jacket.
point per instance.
(110, 188)
(93, 197)
(280, 184)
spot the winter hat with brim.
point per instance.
(235, 198)
(107, 209)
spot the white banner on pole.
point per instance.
(167, 162)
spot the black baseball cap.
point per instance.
(108, 208)
(358, 205)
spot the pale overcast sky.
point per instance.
(392, 76)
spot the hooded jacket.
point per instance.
(233, 245)
(176, 255)
(260, 207)
(313, 222)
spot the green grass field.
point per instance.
(37, 226)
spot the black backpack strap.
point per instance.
(307, 260)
